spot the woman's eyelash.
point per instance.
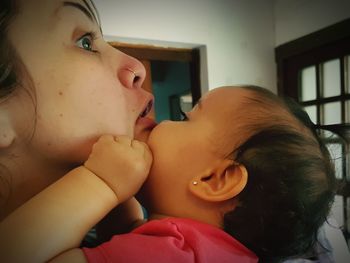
(183, 115)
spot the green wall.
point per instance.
(168, 79)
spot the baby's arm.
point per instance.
(55, 221)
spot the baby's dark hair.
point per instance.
(291, 180)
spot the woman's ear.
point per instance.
(225, 181)
(7, 133)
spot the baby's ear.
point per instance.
(7, 132)
(225, 181)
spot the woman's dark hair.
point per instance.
(291, 183)
(8, 59)
(15, 76)
(12, 72)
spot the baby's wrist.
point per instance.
(103, 183)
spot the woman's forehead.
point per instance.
(43, 9)
(41, 6)
(39, 18)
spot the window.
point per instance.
(315, 71)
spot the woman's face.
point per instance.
(82, 88)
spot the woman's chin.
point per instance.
(142, 135)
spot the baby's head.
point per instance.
(246, 161)
(291, 181)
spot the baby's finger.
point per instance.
(147, 152)
(106, 138)
(143, 148)
(137, 144)
(123, 139)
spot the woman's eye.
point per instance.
(86, 42)
(184, 116)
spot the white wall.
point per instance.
(296, 18)
(238, 34)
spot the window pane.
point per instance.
(335, 150)
(312, 112)
(337, 211)
(332, 113)
(347, 173)
(186, 102)
(331, 78)
(347, 111)
(347, 74)
(348, 212)
(308, 84)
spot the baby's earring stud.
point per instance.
(194, 182)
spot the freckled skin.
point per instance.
(79, 94)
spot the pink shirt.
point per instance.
(172, 240)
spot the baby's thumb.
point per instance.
(148, 155)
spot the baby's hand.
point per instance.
(122, 163)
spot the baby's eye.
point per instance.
(184, 116)
(86, 42)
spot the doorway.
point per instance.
(172, 76)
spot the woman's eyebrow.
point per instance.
(86, 10)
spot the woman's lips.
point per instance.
(143, 127)
(146, 122)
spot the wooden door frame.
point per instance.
(153, 53)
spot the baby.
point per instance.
(243, 178)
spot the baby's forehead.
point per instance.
(245, 111)
(232, 96)
(230, 109)
(226, 92)
(235, 101)
(245, 99)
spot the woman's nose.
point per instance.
(132, 73)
